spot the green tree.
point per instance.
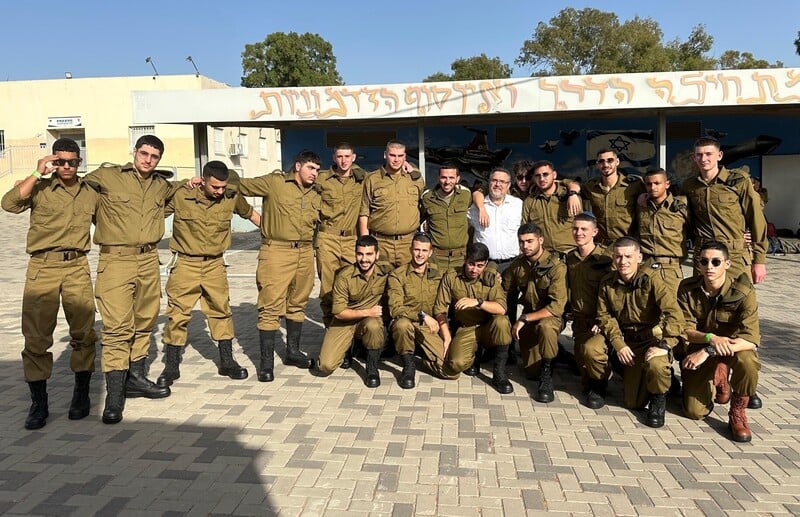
(473, 69)
(289, 60)
(797, 44)
(692, 54)
(733, 60)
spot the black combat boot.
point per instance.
(545, 391)
(407, 380)
(228, 366)
(347, 362)
(373, 380)
(755, 402)
(475, 368)
(38, 413)
(675, 387)
(267, 364)
(295, 356)
(500, 380)
(140, 386)
(115, 396)
(172, 366)
(596, 397)
(657, 410)
(80, 405)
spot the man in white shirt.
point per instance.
(505, 216)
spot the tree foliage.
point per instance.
(473, 69)
(291, 59)
(797, 44)
(733, 59)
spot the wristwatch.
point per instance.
(480, 302)
(523, 318)
(421, 317)
(711, 351)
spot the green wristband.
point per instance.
(36, 174)
(708, 337)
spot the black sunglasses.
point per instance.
(74, 162)
(714, 262)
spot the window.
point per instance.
(2, 143)
(219, 141)
(243, 144)
(262, 148)
(137, 132)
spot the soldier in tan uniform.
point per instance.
(548, 207)
(390, 205)
(62, 207)
(444, 213)
(541, 278)
(587, 264)
(722, 333)
(642, 320)
(130, 222)
(341, 186)
(357, 311)
(412, 292)
(479, 305)
(285, 274)
(612, 197)
(201, 232)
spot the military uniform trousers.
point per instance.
(461, 354)
(284, 277)
(192, 279)
(669, 270)
(448, 259)
(538, 340)
(48, 284)
(333, 253)
(408, 334)
(339, 336)
(698, 385)
(394, 249)
(128, 294)
(594, 365)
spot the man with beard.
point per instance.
(201, 232)
(478, 302)
(548, 207)
(444, 213)
(357, 293)
(541, 277)
(505, 213)
(285, 273)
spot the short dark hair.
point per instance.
(655, 172)
(542, 163)
(714, 245)
(521, 167)
(605, 150)
(526, 228)
(306, 156)
(343, 146)
(627, 241)
(421, 237)
(367, 240)
(500, 169)
(152, 141)
(449, 165)
(66, 145)
(215, 169)
(477, 252)
(587, 217)
(706, 140)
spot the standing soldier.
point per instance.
(541, 278)
(548, 207)
(444, 212)
(357, 312)
(285, 274)
(390, 205)
(642, 320)
(58, 239)
(722, 331)
(412, 292)
(201, 232)
(130, 222)
(341, 186)
(479, 305)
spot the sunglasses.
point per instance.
(74, 162)
(608, 160)
(716, 262)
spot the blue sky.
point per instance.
(373, 44)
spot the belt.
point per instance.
(287, 244)
(199, 258)
(125, 250)
(502, 261)
(458, 252)
(59, 256)
(392, 237)
(336, 231)
(666, 260)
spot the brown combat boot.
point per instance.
(737, 418)
(721, 384)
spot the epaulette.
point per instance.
(415, 174)
(678, 204)
(489, 278)
(162, 173)
(317, 188)
(631, 178)
(385, 267)
(110, 164)
(642, 280)
(692, 282)
(740, 288)
(735, 176)
(544, 269)
(230, 193)
(358, 173)
(93, 185)
(432, 272)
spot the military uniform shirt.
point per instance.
(615, 210)
(551, 213)
(60, 220)
(663, 229)
(289, 211)
(341, 198)
(391, 201)
(455, 285)
(352, 291)
(543, 284)
(447, 219)
(583, 279)
(411, 292)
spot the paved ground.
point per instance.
(308, 446)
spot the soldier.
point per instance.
(478, 301)
(541, 277)
(130, 222)
(587, 264)
(341, 187)
(612, 197)
(61, 208)
(412, 292)
(357, 293)
(201, 232)
(548, 206)
(722, 331)
(390, 205)
(630, 310)
(285, 274)
(444, 213)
